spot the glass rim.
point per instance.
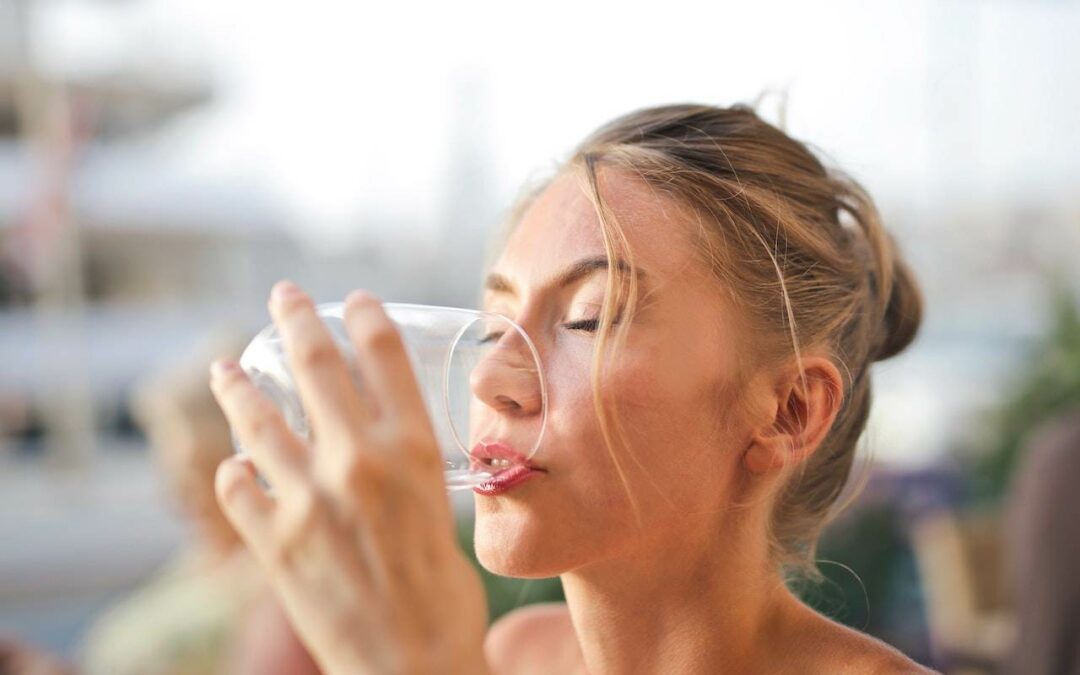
(337, 310)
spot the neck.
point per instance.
(711, 605)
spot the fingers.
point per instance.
(382, 359)
(245, 505)
(334, 406)
(387, 419)
(259, 426)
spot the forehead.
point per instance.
(561, 226)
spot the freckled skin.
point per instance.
(668, 383)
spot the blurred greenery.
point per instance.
(854, 574)
(1046, 385)
(505, 594)
(870, 581)
(870, 578)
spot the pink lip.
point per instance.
(519, 471)
(506, 480)
(497, 450)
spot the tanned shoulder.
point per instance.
(534, 639)
(867, 654)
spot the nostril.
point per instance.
(507, 403)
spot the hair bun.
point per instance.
(902, 315)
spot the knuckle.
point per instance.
(261, 425)
(364, 475)
(384, 434)
(395, 432)
(316, 353)
(307, 507)
(427, 462)
(281, 553)
(228, 484)
(299, 518)
(380, 336)
(414, 436)
(412, 444)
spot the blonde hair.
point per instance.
(178, 391)
(798, 247)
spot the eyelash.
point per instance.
(587, 325)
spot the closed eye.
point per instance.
(587, 325)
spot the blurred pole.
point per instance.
(50, 128)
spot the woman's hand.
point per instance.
(357, 535)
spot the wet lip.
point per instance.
(506, 480)
(498, 457)
(507, 466)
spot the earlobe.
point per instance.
(770, 445)
(803, 411)
(773, 448)
(765, 456)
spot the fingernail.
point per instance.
(222, 367)
(245, 462)
(284, 290)
(357, 297)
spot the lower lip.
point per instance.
(506, 480)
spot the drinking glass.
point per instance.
(461, 359)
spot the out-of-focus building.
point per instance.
(107, 262)
(113, 257)
(110, 256)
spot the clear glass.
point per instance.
(475, 369)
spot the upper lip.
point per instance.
(486, 451)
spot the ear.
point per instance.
(801, 412)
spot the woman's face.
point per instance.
(672, 383)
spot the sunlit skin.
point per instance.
(579, 514)
(357, 537)
(685, 582)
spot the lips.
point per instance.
(509, 467)
(497, 455)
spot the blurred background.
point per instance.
(162, 162)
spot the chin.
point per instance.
(517, 545)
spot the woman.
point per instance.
(198, 615)
(182, 619)
(707, 299)
(207, 611)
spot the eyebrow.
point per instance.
(575, 272)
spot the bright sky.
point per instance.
(352, 108)
(355, 115)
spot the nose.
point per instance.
(507, 379)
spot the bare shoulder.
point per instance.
(845, 650)
(534, 639)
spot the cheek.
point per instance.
(666, 416)
(654, 395)
(676, 429)
(672, 464)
